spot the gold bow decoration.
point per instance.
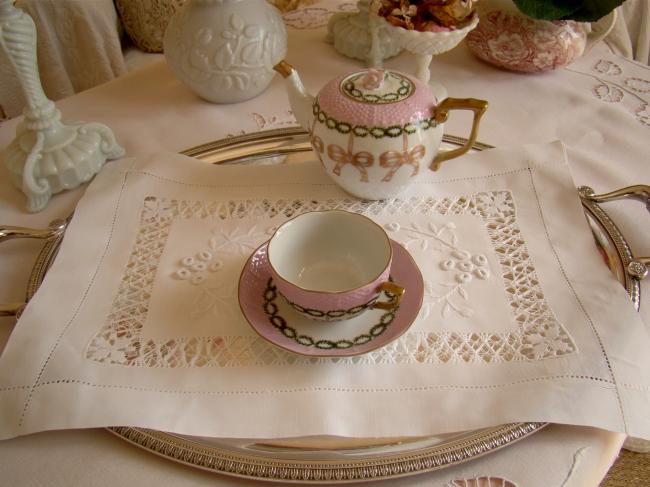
(360, 161)
(393, 160)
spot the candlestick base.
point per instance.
(47, 156)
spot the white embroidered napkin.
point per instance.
(137, 322)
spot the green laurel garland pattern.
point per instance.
(280, 323)
(375, 132)
(338, 314)
(404, 91)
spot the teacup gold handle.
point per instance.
(391, 288)
(442, 113)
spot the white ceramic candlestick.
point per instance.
(46, 156)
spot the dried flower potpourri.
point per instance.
(426, 15)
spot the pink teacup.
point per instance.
(332, 265)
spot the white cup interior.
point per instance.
(329, 251)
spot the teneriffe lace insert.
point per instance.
(465, 246)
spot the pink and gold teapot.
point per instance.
(373, 130)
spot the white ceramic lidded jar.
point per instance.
(374, 130)
(225, 50)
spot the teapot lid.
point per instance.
(376, 98)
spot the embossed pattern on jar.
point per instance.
(224, 49)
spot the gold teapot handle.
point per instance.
(441, 115)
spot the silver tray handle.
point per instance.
(638, 266)
(53, 231)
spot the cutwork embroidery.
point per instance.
(216, 299)
(613, 86)
(609, 93)
(607, 67)
(461, 265)
(637, 84)
(314, 17)
(214, 296)
(537, 335)
(267, 122)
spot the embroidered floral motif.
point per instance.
(213, 296)
(613, 87)
(497, 204)
(238, 239)
(642, 114)
(537, 334)
(462, 266)
(193, 269)
(215, 300)
(267, 122)
(315, 17)
(543, 339)
(637, 84)
(608, 68)
(609, 93)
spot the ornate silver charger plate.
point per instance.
(327, 460)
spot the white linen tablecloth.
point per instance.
(597, 106)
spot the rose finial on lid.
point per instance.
(374, 79)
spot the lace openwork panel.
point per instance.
(176, 305)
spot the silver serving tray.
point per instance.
(332, 459)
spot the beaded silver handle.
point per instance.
(51, 234)
(637, 267)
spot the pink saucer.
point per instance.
(276, 321)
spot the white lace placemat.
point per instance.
(137, 322)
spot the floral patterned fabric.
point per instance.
(146, 20)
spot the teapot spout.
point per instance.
(301, 102)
